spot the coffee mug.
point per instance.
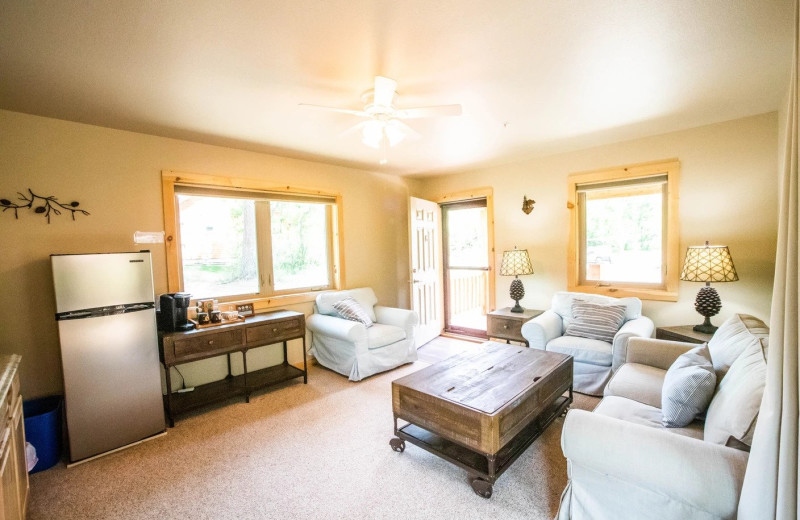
(216, 317)
(202, 318)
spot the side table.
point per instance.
(507, 325)
(682, 333)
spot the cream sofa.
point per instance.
(351, 348)
(594, 361)
(621, 461)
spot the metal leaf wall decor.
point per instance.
(43, 205)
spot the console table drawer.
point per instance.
(275, 331)
(208, 343)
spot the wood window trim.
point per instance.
(170, 178)
(670, 167)
(480, 193)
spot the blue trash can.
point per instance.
(43, 429)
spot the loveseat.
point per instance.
(594, 360)
(356, 349)
(622, 462)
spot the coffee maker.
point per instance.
(172, 317)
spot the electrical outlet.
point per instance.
(245, 309)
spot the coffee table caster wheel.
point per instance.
(398, 445)
(482, 488)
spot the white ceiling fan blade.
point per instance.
(354, 129)
(432, 111)
(383, 94)
(359, 113)
(406, 130)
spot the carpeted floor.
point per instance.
(300, 451)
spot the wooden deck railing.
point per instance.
(468, 291)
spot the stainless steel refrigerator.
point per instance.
(109, 350)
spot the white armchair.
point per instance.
(353, 349)
(594, 361)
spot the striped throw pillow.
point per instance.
(688, 387)
(350, 309)
(595, 320)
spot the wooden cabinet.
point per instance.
(260, 330)
(507, 325)
(13, 468)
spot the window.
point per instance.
(244, 243)
(624, 231)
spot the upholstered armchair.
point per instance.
(357, 349)
(594, 360)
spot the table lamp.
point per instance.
(708, 264)
(515, 263)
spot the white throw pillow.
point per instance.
(738, 333)
(595, 320)
(349, 309)
(734, 408)
(688, 387)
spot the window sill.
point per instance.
(272, 302)
(624, 292)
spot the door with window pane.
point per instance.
(466, 266)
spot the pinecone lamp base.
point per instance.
(707, 304)
(517, 293)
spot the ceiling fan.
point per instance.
(384, 122)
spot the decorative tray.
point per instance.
(223, 322)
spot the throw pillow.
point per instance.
(595, 320)
(688, 387)
(733, 412)
(350, 309)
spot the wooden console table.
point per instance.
(176, 348)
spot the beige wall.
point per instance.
(116, 176)
(728, 195)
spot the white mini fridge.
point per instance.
(105, 312)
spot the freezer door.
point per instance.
(112, 381)
(91, 281)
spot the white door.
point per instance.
(426, 268)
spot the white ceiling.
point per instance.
(533, 76)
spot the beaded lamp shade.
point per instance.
(708, 264)
(516, 262)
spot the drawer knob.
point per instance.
(211, 342)
(275, 330)
(505, 327)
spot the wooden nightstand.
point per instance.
(507, 325)
(682, 333)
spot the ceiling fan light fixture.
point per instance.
(372, 133)
(394, 133)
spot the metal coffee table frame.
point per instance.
(485, 467)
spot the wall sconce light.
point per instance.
(527, 205)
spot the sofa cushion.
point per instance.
(364, 296)
(350, 309)
(562, 305)
(638, 382)
(734, 408)
(380, 335)
(646, 415)
(583, 350)
(688, 387)
(740, 332)
(595, 320)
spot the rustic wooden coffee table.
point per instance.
(481, 409)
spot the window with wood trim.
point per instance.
(624, 231)
(232, 240)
